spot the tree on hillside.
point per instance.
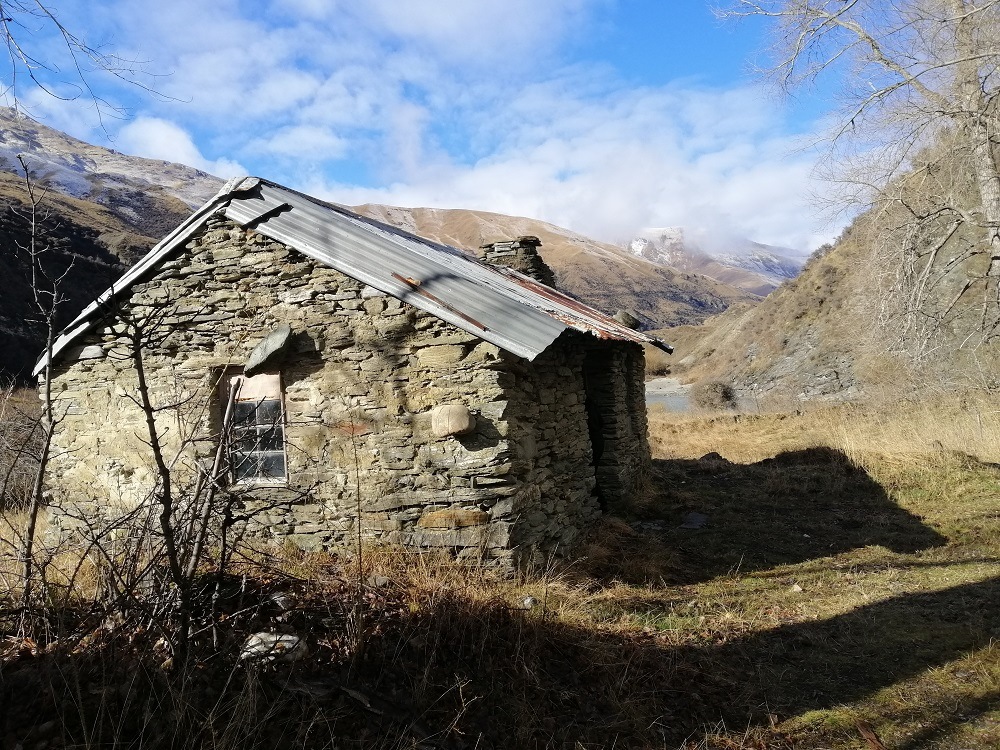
(916, 138)
(63, 70)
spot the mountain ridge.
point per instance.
(110, 209)
(752, 266)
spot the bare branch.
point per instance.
(915, 142)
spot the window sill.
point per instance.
(243, 484)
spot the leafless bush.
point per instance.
(20, 446)
(657, 363)
(713, 394)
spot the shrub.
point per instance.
(20, 439)
(713, 394)
(657, 363)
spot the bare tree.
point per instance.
(47, 295)
(65, 71)
(916, 136)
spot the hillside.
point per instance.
(600, 274)
(149, 196)
(74, 249)
(807, 339)
(100, 212)
(830, 333)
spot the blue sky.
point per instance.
(604, 116)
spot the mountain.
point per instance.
(833, 333)
(100, 211)
(751, 266)
(104, 210)
(146, 198)
(806, 340)
(601, 274)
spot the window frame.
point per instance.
(267, 388)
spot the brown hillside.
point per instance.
(598, 273)
(84, 243)
(825, 334)
(809, 338)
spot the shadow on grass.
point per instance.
(503, 678)
(789, 509)
(459, 673)
(962, 712)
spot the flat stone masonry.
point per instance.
(521, 255)
(362, 374)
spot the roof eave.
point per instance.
(87, 317)
(522, 316)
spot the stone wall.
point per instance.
(361, 378)
(521, 255)
(614, 375)
(551, 449)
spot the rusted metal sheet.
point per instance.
(415, 285)
(498, 304)
(495, 303)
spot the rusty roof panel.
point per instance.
(498, 304)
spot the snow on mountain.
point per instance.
(749, 265)
(83, 170)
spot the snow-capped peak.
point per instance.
(717, 255)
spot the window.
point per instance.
(257, 431)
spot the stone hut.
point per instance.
(352, 373)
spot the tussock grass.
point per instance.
(842, 576)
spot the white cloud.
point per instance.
(154, 138)
(453, 103)
(311, 9)
(487, 31)
(63, 114)
(321, 144)
(611, 165)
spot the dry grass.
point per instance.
(845, 579)
(20, 437)
(867, 535)
(967, 423)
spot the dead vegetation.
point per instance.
(788, 580)
(713, 394)
(20, 446)
(658, 362)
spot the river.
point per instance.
(669, 392)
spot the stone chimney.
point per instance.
(521, 255)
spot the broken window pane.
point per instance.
(257, 434)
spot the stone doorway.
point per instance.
(600, 403)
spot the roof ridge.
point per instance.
(500, 305)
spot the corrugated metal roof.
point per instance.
(497, 304)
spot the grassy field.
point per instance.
(838, 587)
(849, 569)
